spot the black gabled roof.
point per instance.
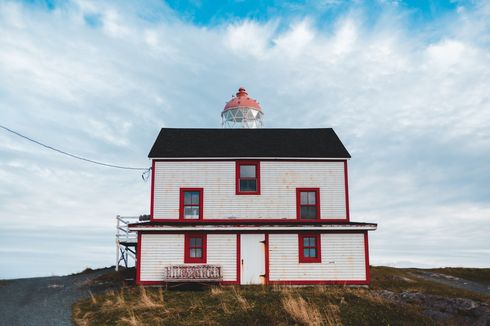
(280, 143)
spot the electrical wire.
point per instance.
(144, 175)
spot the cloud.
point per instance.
(410, 102)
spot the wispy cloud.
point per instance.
(411, 103)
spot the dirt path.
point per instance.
(453, 281)
(43, 300)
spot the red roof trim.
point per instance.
(138, 260)
(152, 191)
(346, 183)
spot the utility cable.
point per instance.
(144, 175)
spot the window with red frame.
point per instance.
(309, 248)
(195, 248)
(191, 203)
(248, 178)
(308, 203)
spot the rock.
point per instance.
(439, 308)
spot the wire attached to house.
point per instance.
(144, 176)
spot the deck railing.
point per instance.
(126, 241)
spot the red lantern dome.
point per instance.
(242, 111)
(242, 100)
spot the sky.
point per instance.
(405, 84)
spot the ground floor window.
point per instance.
(195, 248)
(309, 248)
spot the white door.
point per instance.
(252, 258)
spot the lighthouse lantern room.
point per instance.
(242, 111)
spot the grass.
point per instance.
(398, 280)
(264, 305)
(480, 275)
(242, 306)
(115, 278)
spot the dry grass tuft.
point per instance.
(147, 301)
(108, 300)
(301, 311)
(131, 319)
(285, 289)
(332, 315)
(225, 308)
(92, 297)
(242, 301)
(216, 291)
(321, 289)
(332, 290)
(120, 299)
(84, 320)
(372, 296)
(160, 295)
(308, 314)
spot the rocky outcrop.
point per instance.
(461, 310)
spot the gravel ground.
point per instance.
(43, 300)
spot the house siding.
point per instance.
(342, 258)
(279, 180)
(161, 250)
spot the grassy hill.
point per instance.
(396, 297)
(481, 275)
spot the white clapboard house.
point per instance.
(250, 206)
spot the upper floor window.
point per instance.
(191, 203)
(309, 248)
(248, 178)
(195, 248)
(308, 203)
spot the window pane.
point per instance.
(195, 198)
(312, 198)
(191, 212)
(248, 185)
(193, 253)
(304, 198)
(247, 171)
(312, 242)
(197, 253)
(312, 253)
(306, 252)
(306, 242)
(197, 242)
(187, 198)
(309, 241)
(308, 212)
(312, 212)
